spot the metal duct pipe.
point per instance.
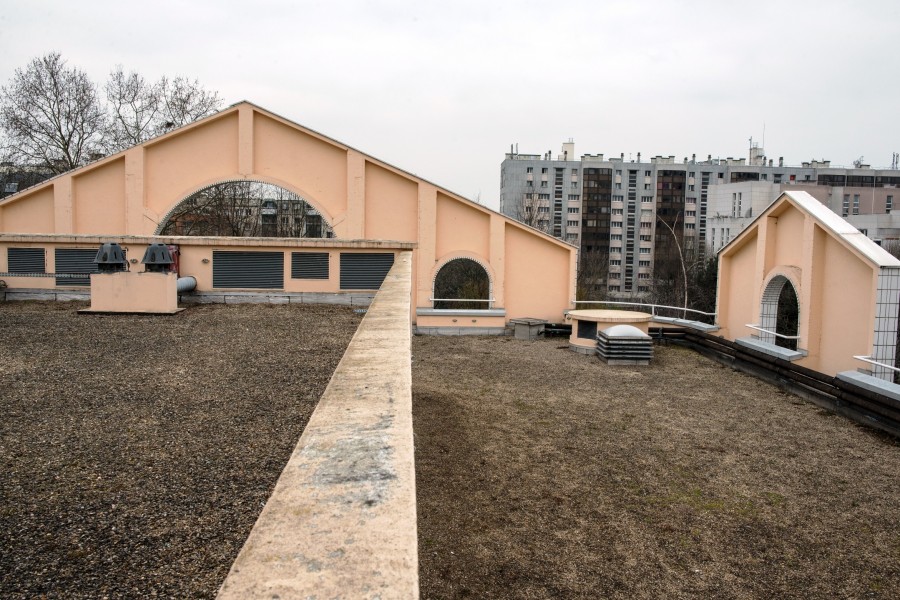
(186, 284)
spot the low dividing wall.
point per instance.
(341, 522)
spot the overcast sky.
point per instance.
(442, 89)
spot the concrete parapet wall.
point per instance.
(341, 522)
(446, 330)
(14, 294)
(347, 299)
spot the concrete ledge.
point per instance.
(698, 325)
(14, 294)
(770, 349)
(872, 384)
(588, 350)
(453, 312)
(341, 522)
(424, 330)
(191, 240)
(278, 297)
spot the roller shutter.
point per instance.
(258, 270)
(75, 260)
(364, 270)
(26, 260)
(309, 265)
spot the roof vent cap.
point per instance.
(111, 258)
(157, 258)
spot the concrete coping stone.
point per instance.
(188, 240)
(770, 349)
(871, 383)
(686, 323)
(452, 312)
(341, 522)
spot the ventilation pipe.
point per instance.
(186, 284)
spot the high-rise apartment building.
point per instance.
(639, 215)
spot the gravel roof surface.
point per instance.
(541, 473)
(137, 451)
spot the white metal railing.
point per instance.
(652, 307)
(869, 359)
(779, 335)
(490, 301)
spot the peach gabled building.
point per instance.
(846, 289)
(372, 208)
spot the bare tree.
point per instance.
(134, 106)
(529, 212)
(593, 271)
(51, 115)
(53, 118)
(141, 110)
(246, 209)
(682, 260)
(184, 101)
(892, 247)
(462, 279)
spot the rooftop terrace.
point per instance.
(540, 473)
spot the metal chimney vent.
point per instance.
(111, 258)
(157, 258)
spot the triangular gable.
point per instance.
(232, 111)
(848, 235)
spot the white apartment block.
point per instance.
(627, 209)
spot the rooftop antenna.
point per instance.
(858, 163)
(895, 161)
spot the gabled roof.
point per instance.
(234, 108)
(828, 220)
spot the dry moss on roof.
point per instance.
(137, 452)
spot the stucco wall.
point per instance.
(737, 294)
(130, 194)
(98, 199)
(179, 164)
(836, 281)
(847, 306)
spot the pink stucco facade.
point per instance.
(847, 287)
(362, 198)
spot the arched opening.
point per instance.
(246, 209)
(460, 280)
(786, 319)
(780, 313)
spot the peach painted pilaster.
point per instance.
(63, 214)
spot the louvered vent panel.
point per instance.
(364, 270)
(309, 265)
(75, 260)
(26, 260)
(256, 270)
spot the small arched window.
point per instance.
(462, 284)
(779, 313)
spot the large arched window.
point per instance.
(460, 280)
(780, 313)
(246, 209)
